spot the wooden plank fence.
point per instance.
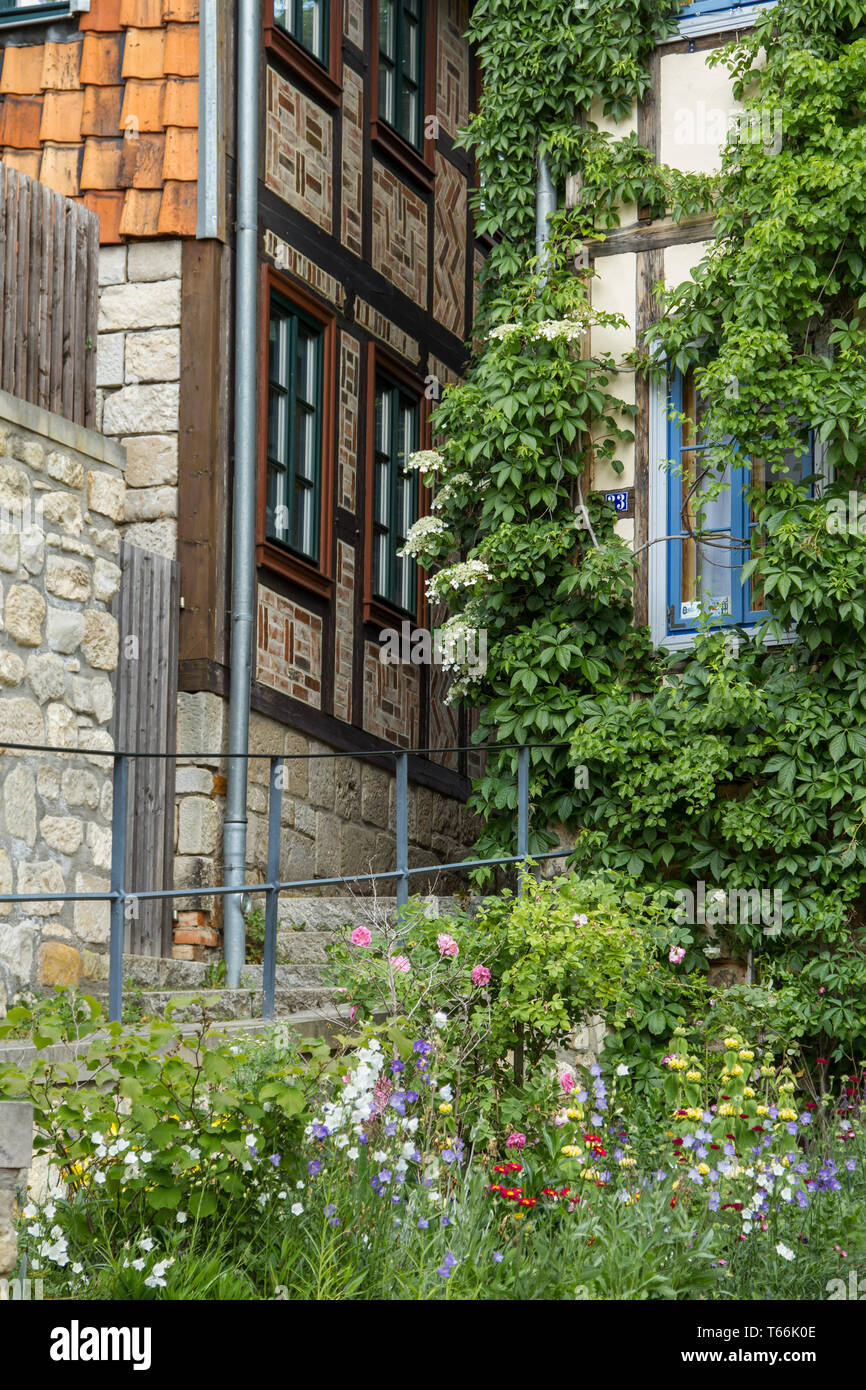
(145, 719)
(49, 268)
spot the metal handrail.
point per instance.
(117, 895)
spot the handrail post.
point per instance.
(272, 893)
(522, 811)
(118, 895)
(402, 865)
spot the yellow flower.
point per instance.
(732, 1042)
(627, 1162)
(787, 1114)
(445, 1108)
(571, 1150)
(678, 1063)
(761, 1110)
(575, 1113)
(693, 1114)
(746, 1055)
(748, 1093)
(727, 1109)
(703, 1169)
(693, 1075)
(736, 1071)
(589, 1174)
(518, 1215)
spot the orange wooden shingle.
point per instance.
(100, 167)
(143, 53)
(102, 17)
(61, 65)
(177, 216)
(141, 162)
(101, 113)
(61, 116)
(181, 101)
(102, 59)
(59, 168)
(141, 14)
(181, 50)
(140, 215)
(181, 154)
(20, 118)
(25, 161)
(22, 70)
(142, 106)
(108, 208)
(186, 11)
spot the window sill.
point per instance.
(303, 572)
(303, 65)
(378, 610)
(410, 160)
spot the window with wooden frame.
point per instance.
(398, 418)
(306, 36)
(709, 531)
(296, 422)
(404, 81)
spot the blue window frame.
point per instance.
(703, 571)
(711, 7)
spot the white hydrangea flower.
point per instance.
(419, 532)
(426, 461)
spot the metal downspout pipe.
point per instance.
(545, 207)
(245, 459)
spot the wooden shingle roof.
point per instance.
(111, 116)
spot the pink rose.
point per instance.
(447, 945)
(480, 975)
(676, 954)
(566, 1081)
(401, 963)
(361, 936)
(516, 1140)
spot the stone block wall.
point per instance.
(61, 503)
(16, 1153)
(138, 380)
(338, 817)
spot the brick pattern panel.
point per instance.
(350, 382)
(444, 728)
(299, 151)
(353, 21)
(386, 331)
(352, 214)
(452, 65)
(289, 648)
(449, 270)
(391, 699)
(399, 235)
(344, 632)
(285, 257)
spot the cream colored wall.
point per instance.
(614, 292)
(695, 111)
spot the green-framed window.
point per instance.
(401, 67)
(294, 482)
(31, 11)
(307, 22)
(395, 493)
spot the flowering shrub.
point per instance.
(516, 979)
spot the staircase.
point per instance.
(307, 927)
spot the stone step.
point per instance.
(161, 973)
(222, 1004)
(329, 914)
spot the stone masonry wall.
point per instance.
(138, 375)
(338, 818)
(61, 502)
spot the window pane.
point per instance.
(294, 430)
(387, 28)
(708, 564)
(277, 523)
(307, 354)
(312, 28)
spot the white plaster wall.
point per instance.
(695, 110)
(614, 292)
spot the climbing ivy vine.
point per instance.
(739, 764)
